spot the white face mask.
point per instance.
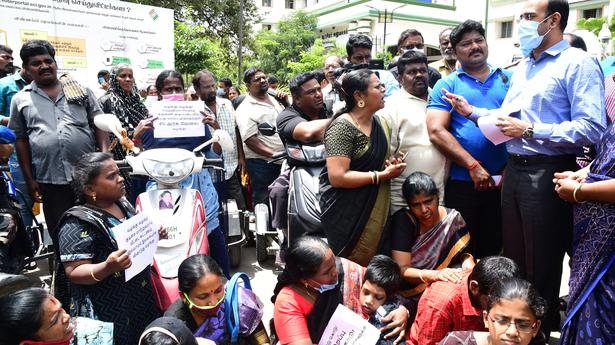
(529, 38)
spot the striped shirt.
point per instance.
(225, 114)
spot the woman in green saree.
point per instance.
(354, 186)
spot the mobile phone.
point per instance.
(381, 311)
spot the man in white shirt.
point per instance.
(406, 111)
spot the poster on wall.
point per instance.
(90, 35)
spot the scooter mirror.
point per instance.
(266, 129)
(225, 140)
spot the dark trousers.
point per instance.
(231, 189)
(483, 215)
(537, 224)
(218, 250)
(278, 194)
(262, 174)
(57, 199)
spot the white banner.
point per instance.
(175, 119)
(347, 328)
(139, 236)
(90, 35)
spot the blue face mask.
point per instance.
(325, 287)
(529, 38)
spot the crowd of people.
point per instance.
(431, 232)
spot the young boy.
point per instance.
(379, 292)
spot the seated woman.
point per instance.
(90, 257)
(33, 316)
(309, 290)
(513, 315)
(427, 239)
(201, 303)
(170, 86)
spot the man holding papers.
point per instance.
(471, 188)
(558, 93)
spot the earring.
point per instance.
(361, 103)
(94, 197)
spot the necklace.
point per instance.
(355, 122)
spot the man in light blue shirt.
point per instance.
(556, 105)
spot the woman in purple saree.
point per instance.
(590, 318)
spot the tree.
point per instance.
(312, 59)
(218, 22)
(194, 51)
(277, 51)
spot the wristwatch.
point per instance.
(528, 133)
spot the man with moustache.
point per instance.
(304, 122)
(446, 65)
(258, 108)
(405, 111)
(53, 121)
(220, 114)
(6, 61)
(470, 188)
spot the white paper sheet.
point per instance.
(139, 236)
(177, 119)
(348, 328)
(490, 130)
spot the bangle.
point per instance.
(377, 177)
(93, 276)
(373, 176)
(473, 165)
(574, 194)
(421, 276)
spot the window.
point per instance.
(266, 3)
(592, 13)
(290, 4)
(506, 29)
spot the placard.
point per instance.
(177, 119)
(139, 236)
(348, 328)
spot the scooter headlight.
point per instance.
(168, 172)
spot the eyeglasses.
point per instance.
(522, 326)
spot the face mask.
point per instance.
(529, 38)
(209, 310)
(325, 287)
(173, 97)
(220, 92)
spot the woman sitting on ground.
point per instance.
(309, 290)
(33, 316)
(513, 315)
(201, 303)
(90, 257)
(427, 240)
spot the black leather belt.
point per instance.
(540, 159)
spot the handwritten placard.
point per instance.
(347, 328)
(177, 119)
(139, 236)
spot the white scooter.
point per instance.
(180, 211)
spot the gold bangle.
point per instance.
(574, 194)
(93, 276)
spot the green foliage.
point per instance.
(312, 59)
(214, 24)
(194, 51)
(277, 51)
(384, 56)
(594, 25)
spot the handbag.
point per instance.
(243, 309)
